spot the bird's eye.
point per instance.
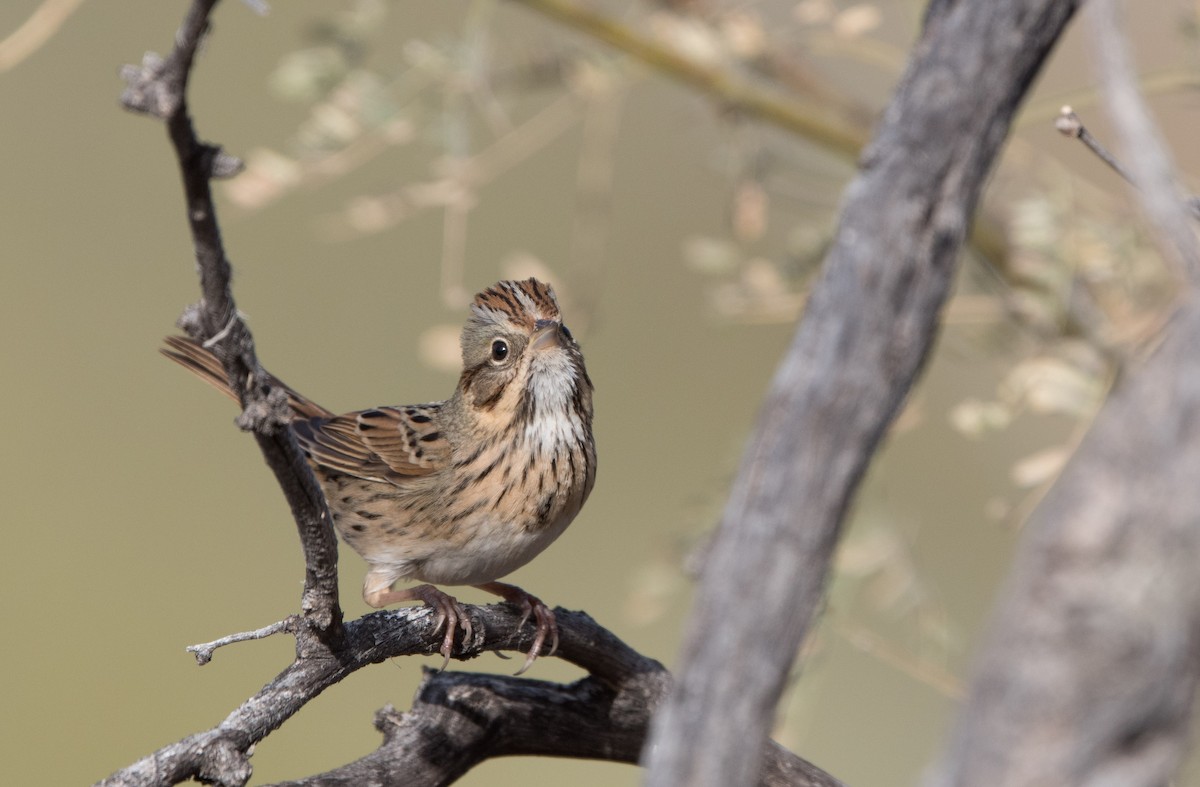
(567, 332)
(499, 350)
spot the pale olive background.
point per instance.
(139, 520)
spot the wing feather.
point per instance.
(388, 444)
(382, 444)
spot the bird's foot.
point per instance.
(531, 606)
(450, 613)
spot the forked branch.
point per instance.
(467, 717)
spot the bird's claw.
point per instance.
(530, 605)
(547, 627)
(450, 614)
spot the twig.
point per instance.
(1069, 124)
(204, 651)
(222, 334)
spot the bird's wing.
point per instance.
(388, 444)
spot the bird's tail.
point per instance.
(201, 362)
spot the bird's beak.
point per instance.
(546, 333)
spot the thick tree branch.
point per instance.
(159, 88)
(491, 716)
(464, 718)
(1089, 673)
(868, 328)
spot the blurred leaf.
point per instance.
(1033, 223)
(751, 206)
(973, 417)
(1049, 384)
(744, 34)
(711, 256)
(268, 174)
(813, 12)
(857, 20)
(306, 75)
(1039, 468)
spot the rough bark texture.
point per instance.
(458, 719)
(867, 330)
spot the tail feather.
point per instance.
(201, 362)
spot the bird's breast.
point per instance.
(487, 513)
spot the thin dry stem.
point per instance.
(1069, 124)
(204, 651)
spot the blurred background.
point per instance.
(402, 156)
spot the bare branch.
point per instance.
(869, 325)
(1069, 124)
(159, 88)
(484, 716)
(491, 716)
(204, 651)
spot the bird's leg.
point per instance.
(450, 612)
(543, 616)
